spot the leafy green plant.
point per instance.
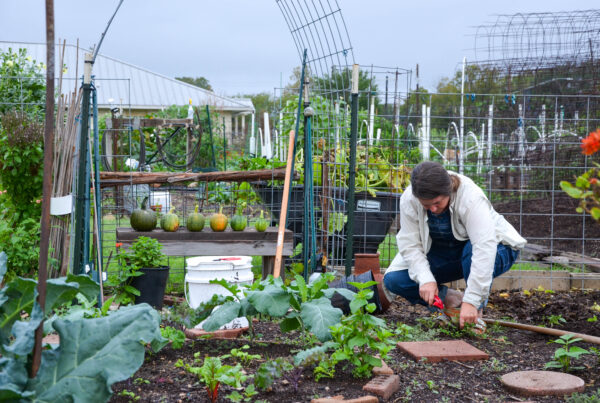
(359, 336)
(22, 84)
(241, 355)
(175, 336)
(587, 185)
(270, 370)
(93, 353)
(212, 373)
(563, 356)
(300, 305)
(246, 395)
(593, 397)
(20, 241)
(145, 252)
(21, 167)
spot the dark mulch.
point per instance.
(509, 349)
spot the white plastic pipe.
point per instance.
(490, 132)
(371, 120)
(267, 150)
(337, 125)
(461, 157)
(252, 145)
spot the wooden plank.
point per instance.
(207, 242)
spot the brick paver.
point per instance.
(340, 398)
(383, 385)
(436, 351)
(542, 383)
(217, 334)
(383, 370)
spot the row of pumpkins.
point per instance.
(144, 219)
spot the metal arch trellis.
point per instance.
(321, 39)
(318, 26)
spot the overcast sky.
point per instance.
(244, 46)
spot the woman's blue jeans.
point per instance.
(446, 266)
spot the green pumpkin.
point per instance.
(195, 221)
(170, 222)
(238, 222)
(143, 219)
(261, 224)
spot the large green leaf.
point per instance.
(58, 292)
(24, 333)
(16, 297)
(318, 315)
(13, 379)
(88, 287)
(95, 353)
(272, 300)
(344, 292)
(222, 315)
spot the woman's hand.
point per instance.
(428, 291)
(468, 314)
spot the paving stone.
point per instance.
(383, 385)
(217, 334)
(436, 351)
(542, 383)
(383, 370)
(340, 398)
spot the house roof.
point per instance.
(121, 83)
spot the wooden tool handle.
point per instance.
(284, 206)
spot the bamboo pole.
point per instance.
(543, 330)
(284, 206)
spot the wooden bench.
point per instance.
(208, 243)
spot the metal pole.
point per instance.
(212, 143)
(352, 170)
(306, 251)
(79, 245)
(461, 134)
(47, 185)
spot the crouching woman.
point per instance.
(449, 231)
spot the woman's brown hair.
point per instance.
(430, 179)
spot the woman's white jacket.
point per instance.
(473, 218)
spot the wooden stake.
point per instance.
(284, 205)
(544, 330)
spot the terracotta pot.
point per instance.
(385, 303)
(364, 262)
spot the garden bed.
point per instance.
(509, 349)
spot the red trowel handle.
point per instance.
(437, 302)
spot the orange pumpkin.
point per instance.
(218, 221)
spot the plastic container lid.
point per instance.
(225, 261)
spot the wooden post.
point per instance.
(284, 205)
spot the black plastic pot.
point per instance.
(373, 215)
(151, 286)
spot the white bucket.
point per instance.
(202, 269)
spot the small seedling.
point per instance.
(141, 381)
(555, 320)
(129, 394)
(241, 355)
(245, 396)
(432, 386)
(563, 356)
(593, 319)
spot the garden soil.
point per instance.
(158, 380)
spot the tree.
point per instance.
(337, 85)
(201, 82)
